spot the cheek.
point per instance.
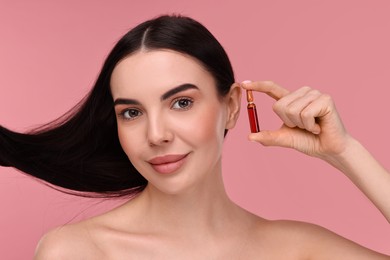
(204, 126)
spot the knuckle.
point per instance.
(291, 111)
(277, 106)
(305, 88)
(306, 115)
(314, 92)
(327, 98)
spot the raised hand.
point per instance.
(311, 123)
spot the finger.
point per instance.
(287, 108)
(268, 87)
(273, 138)
(297, 111)
(316, 111)
(309, 117)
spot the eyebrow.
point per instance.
(178, 89)
(166, 95)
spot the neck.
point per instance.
(204, 206)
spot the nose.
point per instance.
(158, 131)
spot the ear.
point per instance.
(233, 99)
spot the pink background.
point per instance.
(51, 52)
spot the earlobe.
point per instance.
(234, 105)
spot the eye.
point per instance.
(130, 114)
(182, 103)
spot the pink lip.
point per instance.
(168, 163)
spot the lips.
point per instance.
(168, 163)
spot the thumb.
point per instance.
(279, 137)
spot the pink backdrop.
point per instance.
(50, 54)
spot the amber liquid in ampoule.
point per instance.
(252, 113)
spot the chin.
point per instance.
(173, 186)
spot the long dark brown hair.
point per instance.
(80, 153)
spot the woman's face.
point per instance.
(170, 118)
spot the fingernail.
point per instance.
(246, 82)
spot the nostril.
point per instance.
(158, 130)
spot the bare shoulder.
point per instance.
(305, 241)
(71, 241)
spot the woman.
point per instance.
(153, 127)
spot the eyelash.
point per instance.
(123, 112)
(139, 113)
(176, 100)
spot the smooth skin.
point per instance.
(187, 214)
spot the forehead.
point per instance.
(157, 71)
